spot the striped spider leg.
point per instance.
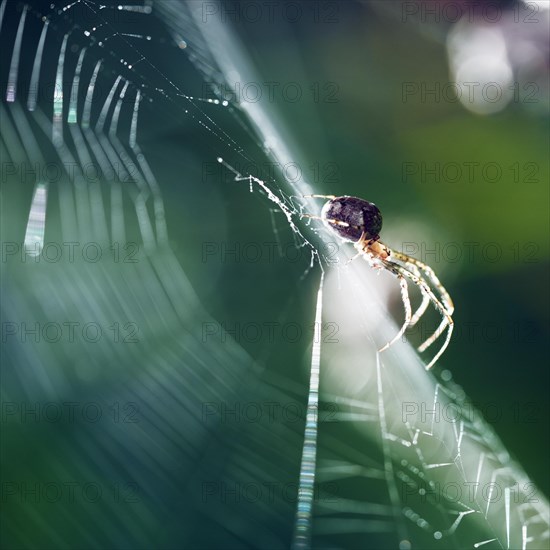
(409, 268)
(360, 222)
(446, 300)
(445, 308)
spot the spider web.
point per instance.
(403, 459)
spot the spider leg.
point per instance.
(445, 298)
(450, 324)
(406, 305)
(447, 319)
(362, 250)
(434, 336)
(430, 274)
(425, 300)
(411, 263)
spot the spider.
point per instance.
(359, 221)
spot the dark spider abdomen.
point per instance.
(360, 215)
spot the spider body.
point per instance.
(358, 218)
(359, 221)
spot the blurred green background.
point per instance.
(356, 134)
